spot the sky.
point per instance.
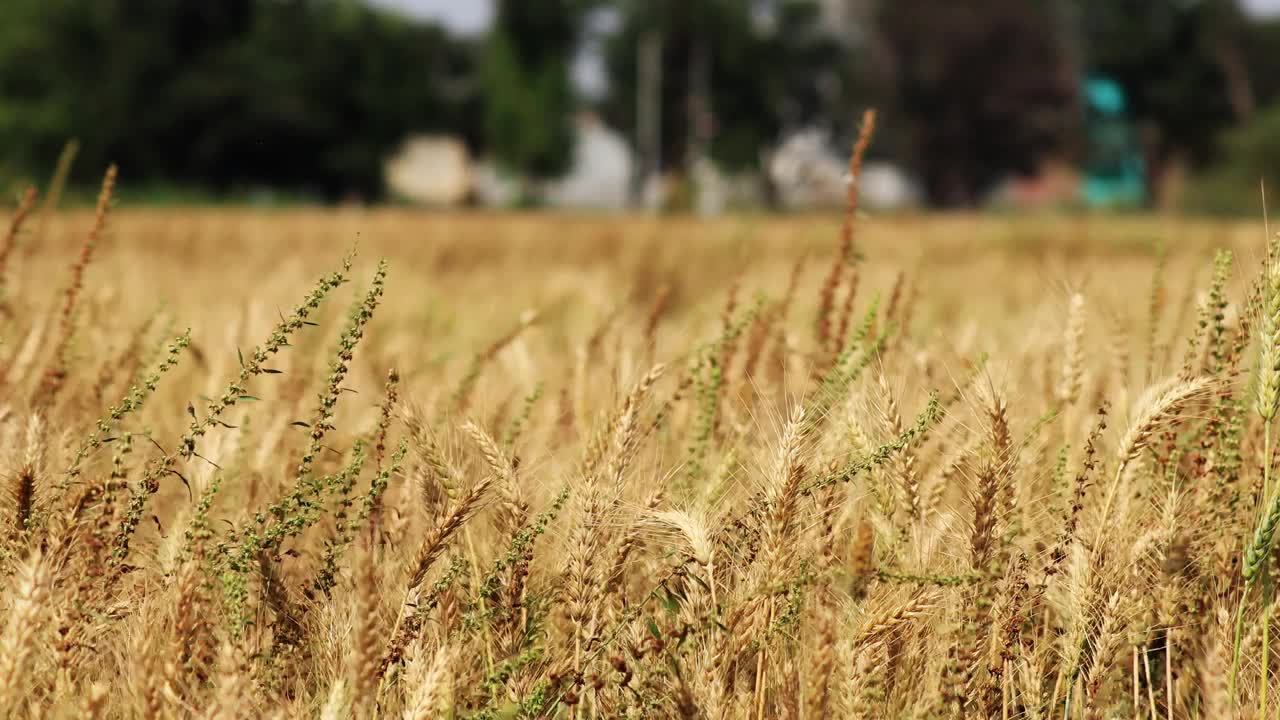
(469, 17)
(1257, 7)
(473, 16)
(460, 16)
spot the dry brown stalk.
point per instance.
(230, 698)
(95, 699)
(10, 240)
(846, 310)
(822, 664)
(191, 653)
(660, 300)
(362, 662)
(56, 373)
(514, 508)
(846, 254)
(1072, 351)
(1105, 644)
(429, 685)
(902, 465)
(754, 589)
(28, 614)
(1161, 407)
(436, 541)
(878, 626)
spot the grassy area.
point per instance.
(634, 467)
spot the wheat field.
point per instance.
(381, 463)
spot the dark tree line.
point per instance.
(313, 94)
(298, 93)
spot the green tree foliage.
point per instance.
(759, 68)
(1257, 47)
(983, 89)
(306, 94)
(1245, 156)
(529, 98)
(1182, 64)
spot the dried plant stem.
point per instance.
(10, 240)
(1164, 403)
(762, 659)
(1266, 605)
(26, 620)
(56, 373)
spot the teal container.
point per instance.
(1113, 174)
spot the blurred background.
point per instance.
(704, 106)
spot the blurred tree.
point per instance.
(529, 99)
(734, 74)
(1182, 63)
(1247, 155)
(306, 94)
(984, 89)
(1259, 41)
